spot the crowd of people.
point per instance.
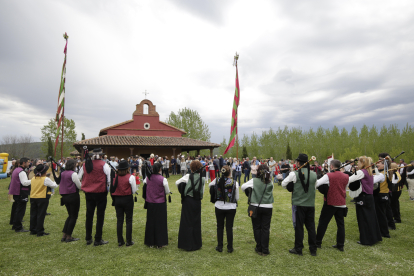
(375, 187)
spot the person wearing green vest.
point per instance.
(191, 188)
(261, 196)
(302, 184)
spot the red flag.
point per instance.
(233, 130)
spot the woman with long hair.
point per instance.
(225, 194)
(69, 186)
(191, 188)
(155, 191)
(261, 196)
(122, 189)
(369, 231)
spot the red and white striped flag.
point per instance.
(234, 118)
(61, 100)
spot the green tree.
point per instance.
(83, 136)
(49, 147)
(244, 154)
(190, 121)
(288, 152)
(69, 137)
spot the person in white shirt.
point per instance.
(39, 199)
(261, 196)
(224, 193)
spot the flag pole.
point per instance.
(60, 113)
(233, 130)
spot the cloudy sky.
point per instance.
(302, 63)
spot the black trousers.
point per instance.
(38, 207)
(19, 206)
(13, 212)
(124, 206)
(227, 215)
(95, 201)
(305, 216)
(395, 205)
(72, 204)
(167, 173)
(327, 213)
(381, 211)
(388, 212)
(261, 227)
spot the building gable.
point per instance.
(145, 122)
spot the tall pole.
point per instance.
(61, 146)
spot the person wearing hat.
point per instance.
(155, 191)
(69, 186)
(39, 199)
(20, 191)
(96, 177)
(333, 186)
(302, 185)
(122, 190)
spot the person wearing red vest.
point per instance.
(122, 190)
(96, 177)
(335, 184)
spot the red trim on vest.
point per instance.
(337, 188)
(124, 187)
(94, 182)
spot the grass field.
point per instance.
(24, 254)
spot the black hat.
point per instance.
(123, 165)
(302, 158)
(98, 151)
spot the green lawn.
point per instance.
(24, 254)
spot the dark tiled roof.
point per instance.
(151, 141)
(74, 153)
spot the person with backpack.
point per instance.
(224, 193)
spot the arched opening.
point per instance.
(146, 107)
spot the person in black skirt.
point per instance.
(191, 188)
(155, 190)
(122, 190)
(69, 186)
(369, 231)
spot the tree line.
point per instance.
(322, 142)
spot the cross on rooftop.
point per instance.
(146, 93)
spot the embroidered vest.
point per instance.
(229, 190)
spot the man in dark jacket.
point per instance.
(246, 169)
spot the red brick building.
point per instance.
(143, 135)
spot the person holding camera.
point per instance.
(261, 196)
